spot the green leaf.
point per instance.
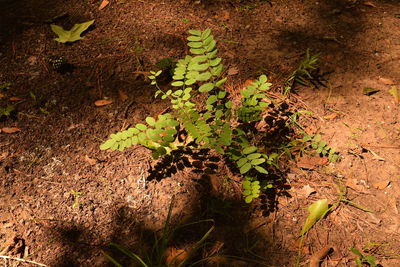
(177, 83)
(253, 156)
(141, 126)
(201, 67)
(190, 81)
(214, 62)
(261, 169)
(246, 184)
(207, 87)
(241, 162)
(257, 161)
(216, 71)
(249, 150)
(247, 192)
(195, 44)
(108, 144)
(248, 199)
(197, 51)
(245, 168)
(317, 210)
(73, 35)
(220, 82)
(263, 78)
(205, 33)
(211, 46)
(195, 32)
(221, 94)
(151, 121)
(205, 76)
(211, 99)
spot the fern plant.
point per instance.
(216, 123)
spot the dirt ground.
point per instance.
(62, 200)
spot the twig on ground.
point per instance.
(21, 260)
(317, 257)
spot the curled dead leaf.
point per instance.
(306, 191)
(15, 98)
(102, 102)
(89, 160)
(103, 4)
(381, 184)
(233, 70)
(307, 162)
(10, 130)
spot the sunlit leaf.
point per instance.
(72, 35)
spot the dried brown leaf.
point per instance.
(89, 160)
(381, 184)
(10, 130)
(103, 4)
(307, 162)
(15, 98)
(233, 70)
(103, 102)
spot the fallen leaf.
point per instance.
(370, 91)
(353, 184)
(122, 95)
(103, 4)
(330, 116)
(10, 130)
(2, 95)
(368, 3)
(89, 160)
(307, 162)
(306, 191)
(395, 93)
(233, 71)
(102, 102)
(386, 81)
(381, 185)
(72, 35)
(226, 15)
(14, 98)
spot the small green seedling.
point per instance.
(361, 259)
(6, 111)
(317, 211)
(76, 195)
(5, 86)
(73, 35)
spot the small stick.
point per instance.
(317, 257)
(22, 260)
